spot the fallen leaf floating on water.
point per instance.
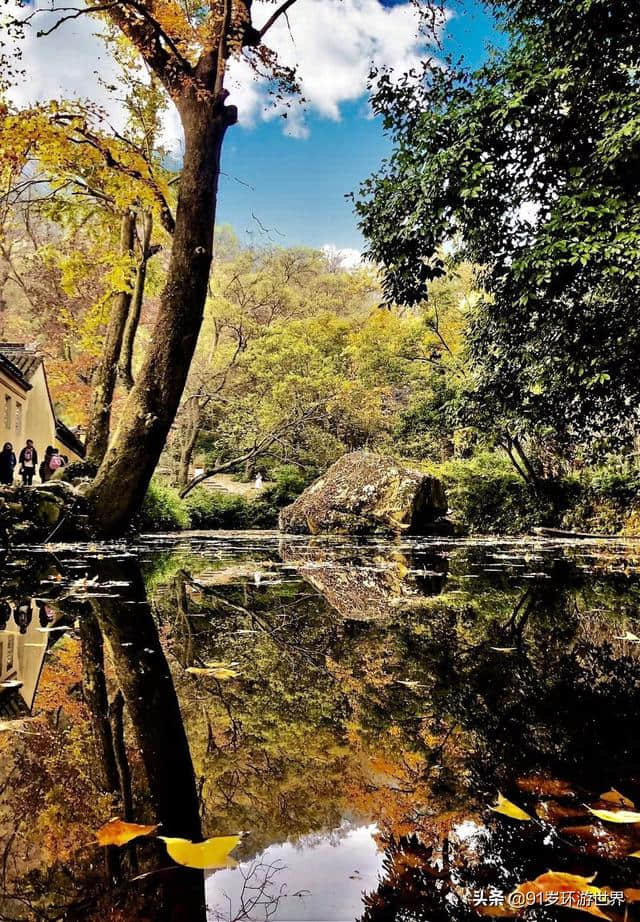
(615, 797)
(558, 882)
(216, 672)
(117, 832)
(616, 816)
(207, 855)
(505, 807)
(632, 638)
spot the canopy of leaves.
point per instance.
(531, 164)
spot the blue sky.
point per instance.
(291, 190)
(279, 188)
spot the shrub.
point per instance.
(608, 500)
(162, 509)
(289, 484)
(488, 497)
(214, 509)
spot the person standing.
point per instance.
(7, 463)
(28, 462)
(56, 460)
(45, 470)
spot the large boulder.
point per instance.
(364, 494)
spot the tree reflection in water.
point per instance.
(392, 685)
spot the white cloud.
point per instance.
(67, 63)
(332, 43)
(343, 257)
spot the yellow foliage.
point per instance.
(208, 855)
(507, 808)
(117, 832)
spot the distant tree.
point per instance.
(530, 165)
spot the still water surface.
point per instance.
(367, 704)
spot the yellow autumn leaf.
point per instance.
(616, 816)
(216, 672)
(559, 882)
(507, 808)
(117, 832)
(615, 797)
(207, 855)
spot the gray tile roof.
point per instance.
(25, 358)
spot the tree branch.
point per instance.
(274, 18)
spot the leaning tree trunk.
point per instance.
(105, 377)
(188, 442)
(151, 406)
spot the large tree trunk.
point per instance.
(125, 364)
(104, 379)
(151, 406)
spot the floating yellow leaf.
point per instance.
(505, 807)
(117, 832)
(556, 883)
(615, 797)
(616, 816)
(216, 672)
(210, 854)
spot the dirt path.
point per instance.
(227, 484)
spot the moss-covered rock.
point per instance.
(35, 514)
(363, 494)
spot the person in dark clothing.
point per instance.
(7, 463)
(45, 469)
(22, 615)
(28, 462)
(44, 614)
(5, 613)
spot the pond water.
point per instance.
(351, 710)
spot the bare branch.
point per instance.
(274, 18)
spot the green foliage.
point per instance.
(488, 497)
(289, 483)
(294, 347)
(532, 161)
(162, 509)
(213, 509)
(608, 502)
(425, 429)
